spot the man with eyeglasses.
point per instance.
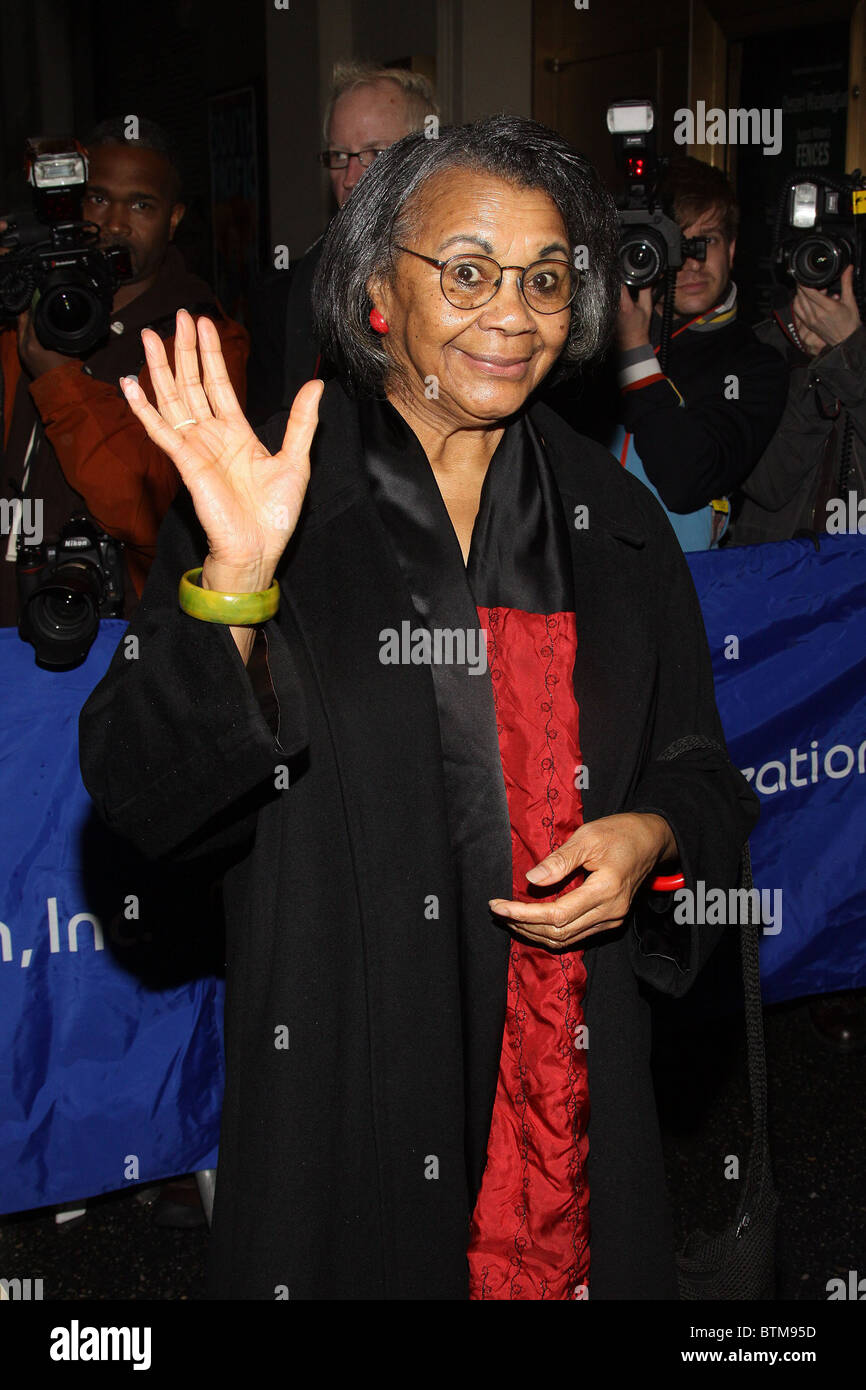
(369, 107)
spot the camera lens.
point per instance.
(73, 311)
(640, 259)
(63, 615)
(69, 311)
(68, 315)
(818, 261)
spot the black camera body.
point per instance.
(65, 589)
(54, 265)
(651, 242)
(821, 229)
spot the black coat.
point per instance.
(321, 1190)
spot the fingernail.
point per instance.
(538, 874)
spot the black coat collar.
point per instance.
(583, 469)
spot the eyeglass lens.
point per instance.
(338, 159)
(470, 281)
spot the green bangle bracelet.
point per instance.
(236, 610)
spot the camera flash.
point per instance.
(804, 209)
(51, 172)
(630, 117)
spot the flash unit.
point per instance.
(53, 172)
(804, 210)
(630, 117)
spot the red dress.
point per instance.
(530, 1227)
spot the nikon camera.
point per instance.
(54, 265)
(64, 589)
(821, 229)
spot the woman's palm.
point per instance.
(247, 500)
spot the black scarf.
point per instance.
(519, 558)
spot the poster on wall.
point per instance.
(236, 213)
(804, 74)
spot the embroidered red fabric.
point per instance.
(530, 1228)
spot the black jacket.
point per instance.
(321, 1189)
(818, 451)
(696, 442)
(284, 351)
(701, 447)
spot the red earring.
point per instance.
(378, 321)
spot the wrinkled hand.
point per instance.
(247, 500)
(618, 853)
(36, 359)
(633, 319)
(831, 318)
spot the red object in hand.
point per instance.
(666, 883)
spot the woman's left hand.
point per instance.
(618, 852)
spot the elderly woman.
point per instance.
(411, 701)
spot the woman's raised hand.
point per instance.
(247, 500)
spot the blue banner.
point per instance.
(787, 632)
(108, 1075)
(111, 1065)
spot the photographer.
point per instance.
(818, 453)
(693, 434)
(68, 437)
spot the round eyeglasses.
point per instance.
(469, 281)
(339, 159)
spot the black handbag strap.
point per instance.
(756, 1056)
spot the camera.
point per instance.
(821, 229)
(651, 243)
(54, 264)
(64, 589)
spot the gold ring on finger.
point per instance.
(180, 424)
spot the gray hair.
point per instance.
(383, 209)
(417, 90)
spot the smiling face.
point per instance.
(702, 284)
(485, 361)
